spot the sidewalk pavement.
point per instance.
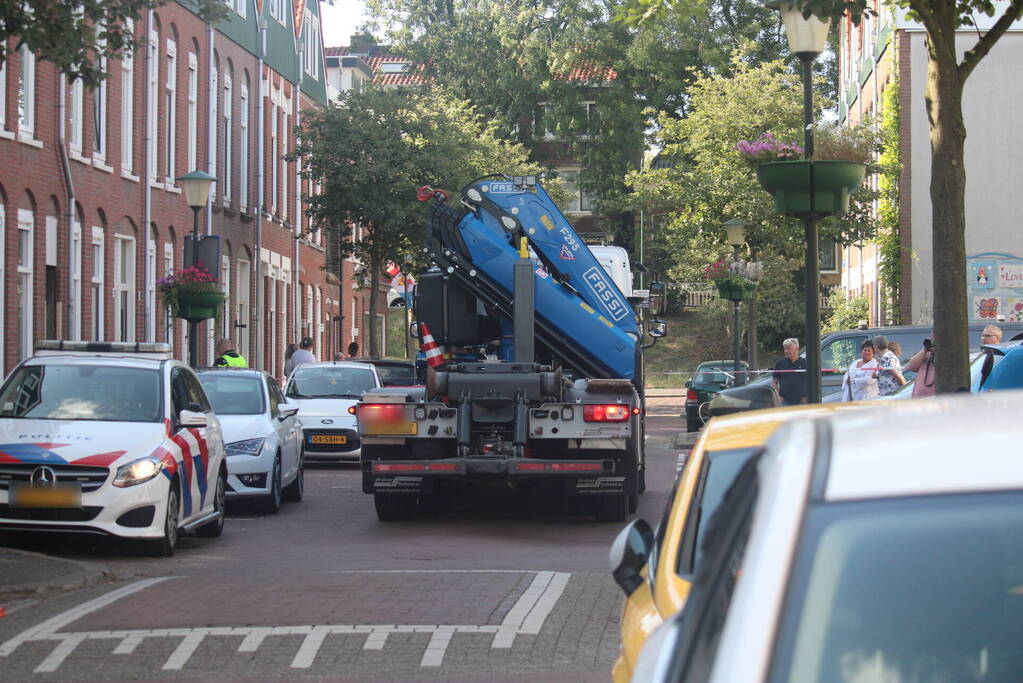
(24, 573)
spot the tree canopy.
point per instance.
(373, 149)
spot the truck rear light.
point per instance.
(381, 412)
(577, 466)
(691, 396)
(415, 467)
(614, 412)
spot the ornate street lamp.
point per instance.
(736, 232)
(197, 193)
(807, 38)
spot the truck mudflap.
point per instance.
(417, 477)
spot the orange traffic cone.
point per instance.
(431, 349)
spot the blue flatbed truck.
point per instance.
(552, 403)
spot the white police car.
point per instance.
(110, 438)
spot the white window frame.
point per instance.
(225, 283)
(3, 278)
(273, 155)
(214, 85)
(171, 87)
(311, 42)
(3, 126)
(270, 281)
(75, 316)
(96, 297)
(168, 268)
(239, 6)
(152, 149)
(123, 289)
(27, 92)
(318, 319)
(150, 285)
(100, 107)
(243, 147)
(193, 109)
(278, 12)
(242, 306)
(283, 175)
(25, 281)
(228, 138)
(76, 112)
(127, 113)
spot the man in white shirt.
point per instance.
(303, 354)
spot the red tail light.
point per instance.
(691, 395)
(382, 412)
(615, 412)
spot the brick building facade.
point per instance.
(92, 216)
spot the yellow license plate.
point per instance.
(390, 428)
(46, 497)
(328, 438)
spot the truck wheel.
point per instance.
(393, 508)
(633, 503)
(613, 508)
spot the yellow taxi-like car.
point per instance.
(655, 568)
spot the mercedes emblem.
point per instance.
(43, 476)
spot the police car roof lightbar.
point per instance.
(104, 347)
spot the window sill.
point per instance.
(7, 134)
(129, 176)
(170, 187)
(99, 163)
(76, 155)
(29, 139)
(156, 184)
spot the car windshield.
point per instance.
(712, 374)
(925, 589)
(83, 392)
(330, 381)
(396, 375)
(233, 395)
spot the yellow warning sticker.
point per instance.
(606, 321)
(586, 307)
(547, 222)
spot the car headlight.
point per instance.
(246, 447)
(138, 471)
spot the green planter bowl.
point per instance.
(789, 184)
(199, 305)
(734, 292)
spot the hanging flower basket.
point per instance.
(735, 291)
(191, 293)
(199, 305)
(789, 183)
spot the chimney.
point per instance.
(362, 44)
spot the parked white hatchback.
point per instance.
(110, 438)
(261, 435)
(865, 546)
(324, 393)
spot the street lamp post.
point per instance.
(807, 37)
(736, 231)
(197, 193)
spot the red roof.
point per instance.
(589, 72)
(336, 51)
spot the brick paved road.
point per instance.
(499, 590)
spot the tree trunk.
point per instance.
(375, 264)
(948, 222)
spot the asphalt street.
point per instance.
(499, 589)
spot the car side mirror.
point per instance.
(689, 383)
(286, 410)
(629, 554)
(658, 299)
(192, 418)
(658, 329)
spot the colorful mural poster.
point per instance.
(994, 284)
(986, 307)
(982, 275)
(1014, 309)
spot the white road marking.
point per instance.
(64, 618)
(526, 617)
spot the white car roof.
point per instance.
(927, 446)
(335, 363)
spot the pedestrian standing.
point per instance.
(353, 349)
(302, 355)
(922, 363)
(789, 378)
(860, 381)
(227, 357)
(289, 364)
(890, 378)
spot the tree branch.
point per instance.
(987, 41)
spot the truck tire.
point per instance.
(613, 508)
(391, 508)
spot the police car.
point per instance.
(110, 438)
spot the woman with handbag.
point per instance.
(860, 381)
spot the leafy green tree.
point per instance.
(947, 73)
(706, 182)
(75, 36)
(846, 313)
(372, 151)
